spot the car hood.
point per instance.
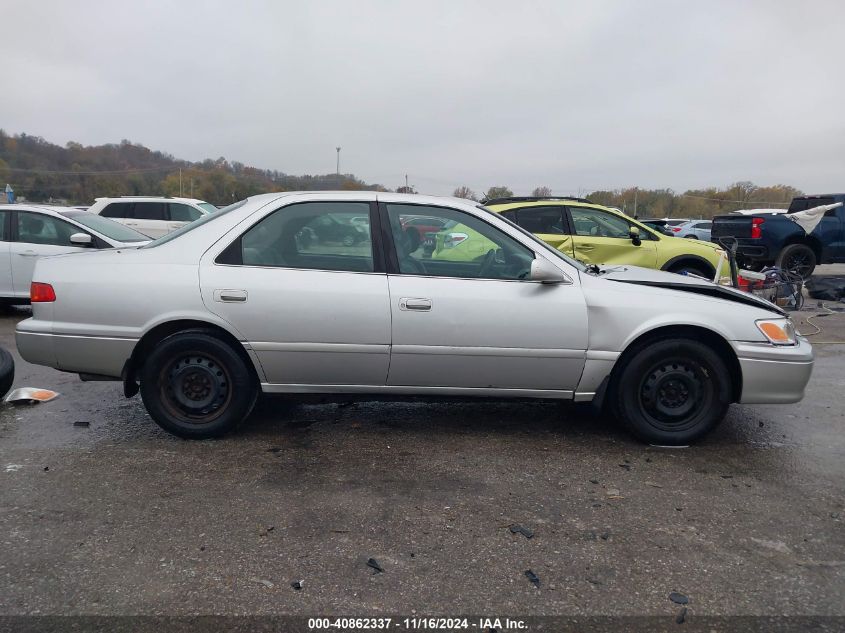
(685, 283)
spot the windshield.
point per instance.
(536, 240)
(207, 206)
(104, 226)
(208, 217)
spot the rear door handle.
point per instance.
(230, 296)
(414, 304)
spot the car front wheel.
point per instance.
(671, 392)
(196, 386)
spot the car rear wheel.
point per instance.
(797, 258)
(691, 237)
(671, 391)
(196, 386)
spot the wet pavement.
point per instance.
(121, 518)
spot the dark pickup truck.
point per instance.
(774, 239)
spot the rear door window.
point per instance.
(183, 212)
(544, 220)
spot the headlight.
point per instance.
(778, 331)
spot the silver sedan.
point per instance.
(269, 296)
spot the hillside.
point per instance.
(39, 171)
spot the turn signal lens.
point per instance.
(778, 331)
(41, 293)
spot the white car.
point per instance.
(694, 230)
(150, 215)
(237, 303)
(31, 231)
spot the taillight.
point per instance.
(676, 229)
(756, 233)
(41, 293)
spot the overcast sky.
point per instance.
(573, 95)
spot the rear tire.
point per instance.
(7, 372)
(671, 391)
(797, 258)
(196, 386)
(691, 237)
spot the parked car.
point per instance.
(694, 230)
(28, 232)
(765, 239)
(150, 215)
(231, 305)
(595, 234)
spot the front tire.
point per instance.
(196, 386)
(671, 392)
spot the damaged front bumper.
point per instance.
(774, 374)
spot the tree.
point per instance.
(464, 192)
(405, 189)
(498, 192)
(541, 192)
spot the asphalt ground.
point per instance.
(118, 517)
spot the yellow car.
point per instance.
(595, 234)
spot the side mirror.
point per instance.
(546, 273)
(81, 239)
(634, 234)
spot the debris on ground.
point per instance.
(264, 531)
(262, 581)
(518, 529)
(82, 423)
(274, 449)
(652, 484)
(682, 616)
(46, 468)
(594, 481)
(372, 562)
(678, 598)
(625, 466)
(533, 578)
(30, 395)
(297, 584)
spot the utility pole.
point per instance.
(180, 182)
(338, 160)
(406, 182)
(635, 201)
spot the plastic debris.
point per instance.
(261, 581)
(533, 578)
(518, 529)
(82, 423)
(678, 598)
(30, 395)
(297, 584)
(372, 562)
(682, 616)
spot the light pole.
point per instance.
(338, 160)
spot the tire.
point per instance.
(671, 392)
(196, 386)
(7, 372)
(798, 258)
(691, 237)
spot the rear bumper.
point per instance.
(73, 353)
(772, 374)
(751, 250)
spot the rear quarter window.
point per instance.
(116, 210)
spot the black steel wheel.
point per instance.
(671, 391)
(799, 259)
(196, 385)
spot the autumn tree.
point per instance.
(464, 192)
(498, 192)
(541, 192)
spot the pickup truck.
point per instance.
(765, 239)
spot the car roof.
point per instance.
(149, 199)
(498, 207)
(46, 209)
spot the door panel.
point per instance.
(307, 325)
(487, 333)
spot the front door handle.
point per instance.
(230, 296)
(414, 304)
